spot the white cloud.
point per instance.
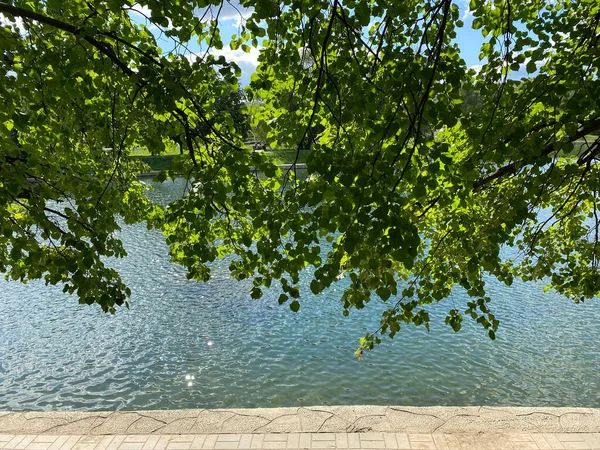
(476, 67)
(16, 23)
(230, 10)
(467, 13)
(247, 62)
(140, 11)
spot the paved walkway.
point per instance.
(372, 441)
(318, 427)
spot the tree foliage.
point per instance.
(416, 196)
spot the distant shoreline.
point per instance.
(300, 166)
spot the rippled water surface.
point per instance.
(56, 354)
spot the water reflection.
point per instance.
(55, 354)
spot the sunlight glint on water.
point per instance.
(192, 345)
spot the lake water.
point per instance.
(58, 355)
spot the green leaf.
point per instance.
(315, 287)
(295, 306)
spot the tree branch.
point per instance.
(587, 128)
(102, 47)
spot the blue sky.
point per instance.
(232, 14)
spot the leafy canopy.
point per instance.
(416, 192)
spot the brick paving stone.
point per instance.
(423, 445)
(520, 437)
(6, 437)
(467, 441)
(353, 440)
(293, 440)
(323, 437)
(524, 445)
(592, 439)
(150, 443)
(569, 437)
(136, 438)
(402, 441)
(127, 446)
(440, 441)
(104, 442)
(197, 442)
(275, 445)
(541, 442)
(162, 443)
(305, 441)
(555, 444)
(229, 438)
(273, 437)
(341, 440)
(452, 441)
(179, 446)
(14, 441)
(45, 438)
(226, 445)
(88, 443)
(245, 441)
(185, 437)
(371, 436)
(372, 444)
(420, 437)
(39, 446)
(257, 441)
(390, 440)
(576, 445)
(210, 441)
(58, 443)
(70, 442)
(25, 442)
(114, 444)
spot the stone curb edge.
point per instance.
(316, 419)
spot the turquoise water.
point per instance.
(56, 354)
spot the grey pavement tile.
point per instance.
(576, 445)
(197, 442)
(440, 441)
(39, 446)
(22, 445)
(423, 445)
(150, 443)
(128, 446)
(70, 442)
(324, 437)
(420, 437)
(114, 444)
(293, 441)
(304, 441)
(402, 441)
(10, 445)
(524, 445)
(45, 438)
(257, 441)
(58, 443)
(226, 445)
(210, 441)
